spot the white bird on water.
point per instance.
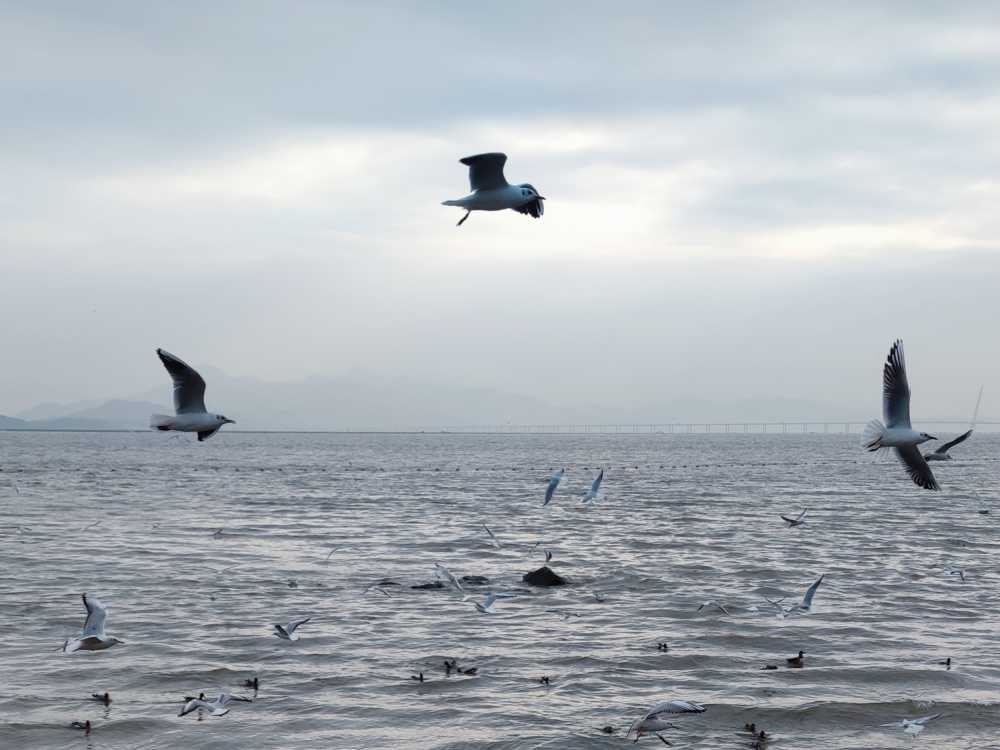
(595, 489)
(93, 637)
(287, 631)
(802, 607)
(189, 402)
(655, 717)
(553, 483)
(897, 432)
(492, 192)
(914, 726)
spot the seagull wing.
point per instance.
(96, 616)
(792, 521)
(189, 388)
(596, 486)
(801, 516)
(807, 600)
(952, 443)
(916, 467)
(551, 489)
(895, 389)
(194, 705)
(294, 624)
(486, 171)
(533, 208)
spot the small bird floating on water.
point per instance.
(104, 698)
(796, 661)
(492, 192)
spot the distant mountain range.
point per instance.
(362, 400)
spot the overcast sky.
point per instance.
(743, 200)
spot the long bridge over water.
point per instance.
(671, 428)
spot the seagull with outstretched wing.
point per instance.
(189, 401)
(492, 192)
(897, 432)
(797, 521)
(288, 630)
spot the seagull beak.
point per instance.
(541, 197)
(931, 437)
(230, 421)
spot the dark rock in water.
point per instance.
(475, 580)
(544, 576)
(431, 585)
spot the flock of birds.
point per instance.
(491, 192)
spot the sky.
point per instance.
(744, 201)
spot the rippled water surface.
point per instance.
(683, 519)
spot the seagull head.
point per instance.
(530, 192)
(927, 437)
(225, 419)
(117, 641)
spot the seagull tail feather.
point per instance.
(160, 421)
(871, 439)
(452, 203)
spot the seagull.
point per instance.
(93, 637)
(553, 483)
(653, 720)
(491, 191)
(287, 631)
(801, 608)
(914, 726)
(955, 573)
(797, 521)
(496, 542)
(215, 708)
(486, 607)
(941, 454)
(595, 489)
(897, 432)
(444, 574)
(189, 402)
(714, 603)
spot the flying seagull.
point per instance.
(287, 631)
(486, 607)
(595, 489)
(189, 402)
(713, 603)
(897, 432)
(802, 607)
(492, 192)
(941, 454)
(215, 708)
(493, 538)
(442, 573)
(655, 717)
(553, 483)
(93, 637)
(797, 521)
